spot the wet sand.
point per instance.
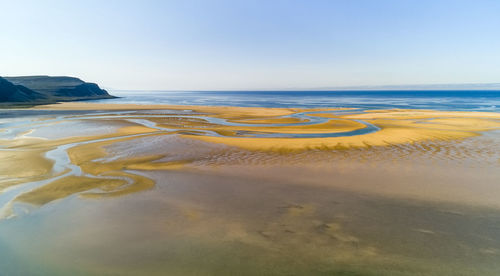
(396, 126)
(194, 190)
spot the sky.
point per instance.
(246, 45)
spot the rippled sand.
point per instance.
(189, 190)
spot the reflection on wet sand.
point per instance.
(211, 193)
(209, 223)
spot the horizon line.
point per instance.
(399, 87)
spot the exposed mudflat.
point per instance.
(196, 190)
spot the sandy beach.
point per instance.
(404, 132)
(284, 184)
(396, 126)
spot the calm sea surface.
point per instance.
(487, 100)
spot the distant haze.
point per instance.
(256, 44)
(453, 86)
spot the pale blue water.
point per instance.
(487, 100)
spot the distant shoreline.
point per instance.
(14, 105)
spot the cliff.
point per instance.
(46, 89)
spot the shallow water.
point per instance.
(425, 208)
(211, 224)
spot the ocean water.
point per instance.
(486, 100)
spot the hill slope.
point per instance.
(46, 89)
(10, 92)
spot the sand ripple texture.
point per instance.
(72, 149)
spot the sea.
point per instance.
(459, 100)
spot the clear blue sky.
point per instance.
(268, 44)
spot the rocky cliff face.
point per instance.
(45, 89)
